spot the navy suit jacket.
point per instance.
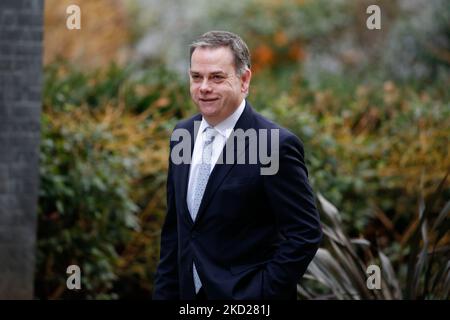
(254, 234)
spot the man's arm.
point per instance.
(292, 200)
(166, 286)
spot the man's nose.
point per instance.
(205, 87)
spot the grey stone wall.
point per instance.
(21, 32)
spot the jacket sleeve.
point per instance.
(166, 285)
(292, 201)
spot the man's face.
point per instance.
(215, 87)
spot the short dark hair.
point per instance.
(217, 39)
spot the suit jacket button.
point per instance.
(194, 234)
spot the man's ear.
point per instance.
(245, 80)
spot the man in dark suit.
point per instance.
(235, 228)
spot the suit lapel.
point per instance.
(220, 171)
(185, 167)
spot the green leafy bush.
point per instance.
(86, 213)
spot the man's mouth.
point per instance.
(208, 99)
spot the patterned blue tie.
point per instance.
(200, 184)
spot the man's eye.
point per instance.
(195, 77)
(218, 78)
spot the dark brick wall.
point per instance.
(21, 28)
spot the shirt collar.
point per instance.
(226, 126)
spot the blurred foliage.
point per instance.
(342, 272)
(103, 37)
(376, 140)
(85, 207)
(418, 46)
(330, 38)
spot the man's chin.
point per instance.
(208, 110)
(212, 104)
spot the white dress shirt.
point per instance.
(224, 130)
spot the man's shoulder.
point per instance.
(285, 135)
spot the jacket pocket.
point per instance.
(247, 267)
(239, 182)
